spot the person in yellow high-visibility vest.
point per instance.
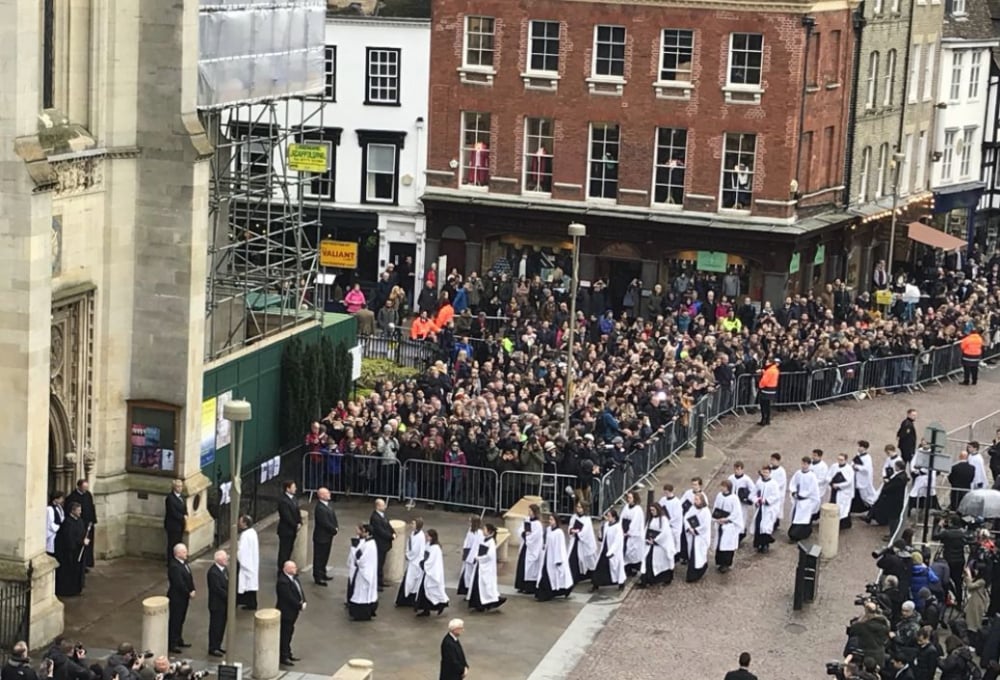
(767, 388)
(972, 353)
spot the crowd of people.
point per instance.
(496, 397)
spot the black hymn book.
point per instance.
(483, 549)
(719, 513)
(578, 525)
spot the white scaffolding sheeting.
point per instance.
(257, 50)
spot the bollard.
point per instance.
(155, 621)
(300, 551)
(266, 640)
(355, 669)
(503, 545)
(514, 524)
(829, 530)
(395, 559)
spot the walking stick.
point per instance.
(84, 548)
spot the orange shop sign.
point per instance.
(340, 254)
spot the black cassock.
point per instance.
(69, 544)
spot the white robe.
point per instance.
(888, 470)
(698, 539)
(662, 548)
(730, 528)
(556, 560)
(864, 479)
(918, 485)
(744, 482)
(585, 542)
(779, 475)
(612, 544)
(636, 544)
(365, 574)
(531, 545)
(486, 576)
(844, 490)
(980, 481)
(822, 472)
(415, 546)
(805, 496)
(674, 511)
(472, 541)
(767, 500)
(248, 557)
(54, 516)
(434, 576)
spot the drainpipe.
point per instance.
(858, 24)
(808, 23)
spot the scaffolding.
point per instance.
(259, 81)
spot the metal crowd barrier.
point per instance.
(400, 350)
(560, 491)
(349, 474)
(456, 486)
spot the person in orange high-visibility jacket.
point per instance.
(767, 388)
(972, 354)
(421, 327)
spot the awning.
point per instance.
(933, 237)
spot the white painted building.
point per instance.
(963, 93)
(373, 123)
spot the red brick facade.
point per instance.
(638, 111)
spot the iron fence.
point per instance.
(262, 488)
(417, 354)
(15, 613)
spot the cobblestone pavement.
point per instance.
(694, 631)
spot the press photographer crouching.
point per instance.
(868, 635)
(128, 663)
(69, 661)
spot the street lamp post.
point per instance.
(576, 231)
(897, 159)
(237, 412)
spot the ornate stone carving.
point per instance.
(71, 368)
(57, 352)
(77, 175)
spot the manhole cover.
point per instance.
(795, 628)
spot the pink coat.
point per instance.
(354, 301)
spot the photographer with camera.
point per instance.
(951, 533)
(69, 661)
(868, 635)
(904, 635)
(896, 561)
(126, 657)
(891, 598)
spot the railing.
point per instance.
(402, 351)
(262, 488)
(15, 613)
(560, 491)
(348, 474)
(456, 486)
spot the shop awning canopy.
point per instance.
(933, 237)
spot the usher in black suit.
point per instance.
(218, 599)
(174, 521)
(289, 521)
(453, 663)
(291, 598)
(180, 586)
(324, 529)
(382, 533)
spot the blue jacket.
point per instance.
(920, 577)
(461, 301)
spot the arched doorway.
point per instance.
(62, 448)
(453, 247)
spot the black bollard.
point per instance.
(699, 437)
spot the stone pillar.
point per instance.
(514, 524)
(504, 538)
(155, 618)
(829, 530)
(300, 553)
(266, 641)
(395, 561)
(355, 669)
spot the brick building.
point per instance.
(669, 130)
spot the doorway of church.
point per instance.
(619, 274)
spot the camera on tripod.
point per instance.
(870, 595)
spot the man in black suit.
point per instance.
(906, 436)
(324, 529)
(180, 592)
(453, 663)
(289, 521)
(218, 601)
(291, 601)
(962, 474)
(174, 517)
(742, 673)
(88, 515)
(384, 535)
